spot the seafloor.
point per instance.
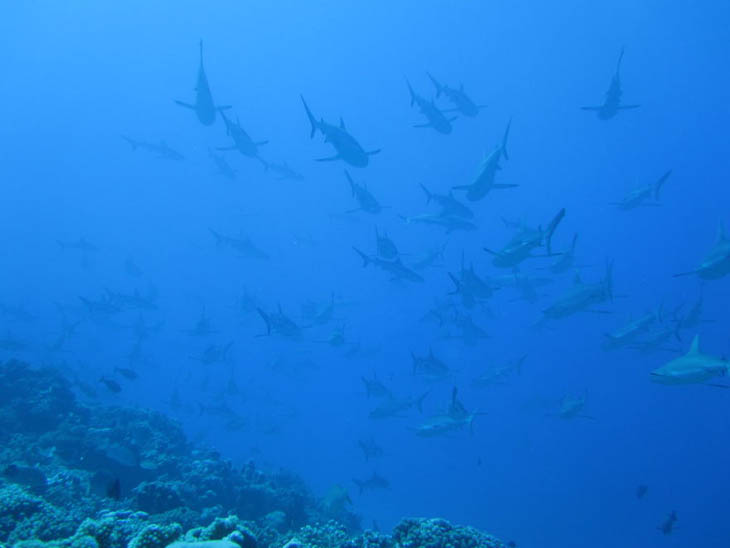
(81, 476)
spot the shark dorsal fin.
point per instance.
(695, 348)
(342, 124)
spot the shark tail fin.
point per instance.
(267, 320)
(410, 90)
(437, 85)
(520, 361)
(551, 229)
(419, 401)
(457, 285)
(218, 237)
(312, 119)
(428, 193)
(503, 148)
(131, 142)
(365, 258)
(620, 58)
(658, 185)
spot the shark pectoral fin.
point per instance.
(491, 252)
(186, 105)
(328, 159)
(260, 143)
(373, 152)
(503, 186)
(684, 274)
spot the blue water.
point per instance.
(79, 75)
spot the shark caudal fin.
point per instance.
(218, 237)
(312, 119)
(457, 285)
(437, 85)
(267, 320)
(503, 148)
(131, 142)
(365, 258)
(658, 185)
(410, 90)
(551, 229)
(428, 193)
(620, 58)
(419, 401)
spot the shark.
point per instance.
(375, 481)
(463, 104)
(244, 246)
(242, 142)
(393, 407)
(566, 260)
(470, 286)
(450, 206)
(429, 366)
(485, 179)
(497, 374)
(716, 263)
(628, 333)
(612, 102)
(284, 171)
(346, 146)
(365, 199)
(385, 246)
(204, 107)
(449, 223)
(521, 245)
(694, 367)
(223, 168)
(202, 328)
(162, 149)
(456, 418)
(642, 196)
(582, 296)
(395, 268)
(279, 323)
(435, 118)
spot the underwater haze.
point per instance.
(466, 260)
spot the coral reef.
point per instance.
(75, 476)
